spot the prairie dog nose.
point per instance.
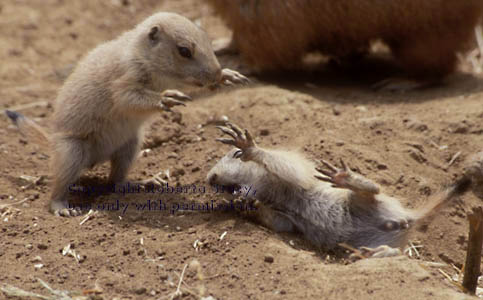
(212, 179)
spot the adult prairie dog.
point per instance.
(102, 107)
(334, 206)
(424, 36)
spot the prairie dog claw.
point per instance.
(171, 98)
(231, 77)
(243, 140)
(346, 179)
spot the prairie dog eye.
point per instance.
(184, 52)
(237, 154)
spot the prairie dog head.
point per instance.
(233, 173)
(177, 49)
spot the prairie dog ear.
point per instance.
(154, 34)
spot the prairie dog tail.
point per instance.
(28, 128)
(472, 176)
(425, 213)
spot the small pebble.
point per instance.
(269, 258)
(42, 246)
(173, 155)
(140, 291)
(36, 259)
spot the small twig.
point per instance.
(12, 291)
(434, 264)
(55, 294)
(434, 144)
(409, 250)
(51, 290)
(2, 206)
(29, 105)
(189, 289)
(473, 253)
(415, 248)
(445, 275)
(178, 289)
(214, 276)
(457, 269)
(88, 216)
(453, 159)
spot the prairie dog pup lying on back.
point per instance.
(331, 207)
(102, 107)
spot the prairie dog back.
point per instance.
(424, 36)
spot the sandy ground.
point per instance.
(405, 142)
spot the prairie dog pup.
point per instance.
(331, 207)
(102, 107)
(424, 36)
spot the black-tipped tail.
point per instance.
(440, 200)
(13, 115)
(28, 128)
(460, 187)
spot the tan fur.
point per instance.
(424, 36)
(102, 107)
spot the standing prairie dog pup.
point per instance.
(424, 36)
(332, 207)
(102, 107)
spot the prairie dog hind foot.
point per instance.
(368, 252)
(63, 209)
